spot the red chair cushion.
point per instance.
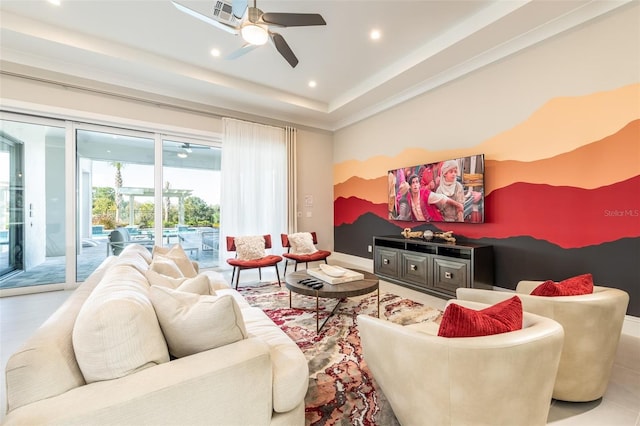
(311, 257)
(270, 260)
(458, 321)
(582, 284)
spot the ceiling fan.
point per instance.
(254, 25)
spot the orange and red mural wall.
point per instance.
(562, 194)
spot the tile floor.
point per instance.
(620, 406)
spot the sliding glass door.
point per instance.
(115, 187)
(159, 189)
(32, 202)
(191, 198)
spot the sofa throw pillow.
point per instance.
(250, 247)
(458, 321)
(199, 284)
(302, 243)
(179, 256)
(581, 284)
(192, 323)
(116, 332)
(165, 266)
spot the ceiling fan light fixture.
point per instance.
(255, 34)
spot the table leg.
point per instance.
(290, 298)
(317, 315)
(378, 302)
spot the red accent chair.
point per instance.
(302, 258)
(263, 262)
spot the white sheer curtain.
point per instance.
(254, 198)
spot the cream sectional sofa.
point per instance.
(62, 374)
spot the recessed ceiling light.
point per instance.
(215, 53)
(182, 154)
(312, 83)
(56, 2)
(375, 34)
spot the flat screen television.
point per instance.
(446, 191)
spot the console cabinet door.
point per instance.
(415, 269)
(449, 274)
(386, 262)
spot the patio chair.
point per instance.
(120, 237)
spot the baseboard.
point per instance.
(348, 260)
(631, 325)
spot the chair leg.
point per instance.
(260, 273)
(237, 279)
(233, 274)
(286, 263)
(306, 265)
(278, 275)
(325, 261)
(295, 268)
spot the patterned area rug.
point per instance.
(341, 387)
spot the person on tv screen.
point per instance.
(424, 204)
(453, 189)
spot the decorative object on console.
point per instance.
(408, 233)
(447, 236)
(427, 235)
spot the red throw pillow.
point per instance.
(458, 321)
(582, 284)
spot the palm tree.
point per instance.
(167, 186)
(118, 181)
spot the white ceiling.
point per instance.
(150, 46)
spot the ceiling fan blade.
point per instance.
(239, 7)
(284, 49)
(205, 18)
(293, 19)
(243, 50)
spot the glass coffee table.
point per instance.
(332, 291)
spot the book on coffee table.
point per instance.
(348, 275)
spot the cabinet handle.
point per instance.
(385, 261)
(447, 275)
(413, 267)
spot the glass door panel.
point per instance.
(32, 201)
(191, 199)
(115, 190)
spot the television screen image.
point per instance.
(446, 191)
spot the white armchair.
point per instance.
(592, 325)
(503, 379)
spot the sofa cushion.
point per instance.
(458, 321)
(116, 332)
(193, 323)
(138, 248)
(302, 243)
(290, 367)
(581, 284)
(179, 256)
(250, 247)
(45, 365)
